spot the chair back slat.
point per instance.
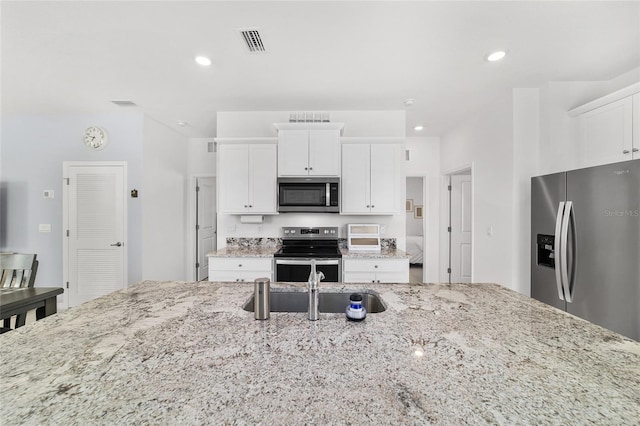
(18, 270)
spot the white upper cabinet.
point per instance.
(371, 178)
(309, 152)
(247, 177)
(606, 130)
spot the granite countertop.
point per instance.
(385, 253)
(258, 251)
(175, 352)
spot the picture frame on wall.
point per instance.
(417, 212)
(409, 205)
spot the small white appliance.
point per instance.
(363, 237)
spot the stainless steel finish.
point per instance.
(606, 202)
(305, 261)
(118, 244)
(547, 192)
(327, 208)
(625, 151)
(327, 193)
(329, 302)
(564, 251)
(297, 233)
(558, 250)
(261, 297)
(314, 298)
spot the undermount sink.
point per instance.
(330, 302)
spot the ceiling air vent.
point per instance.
(253, 40)
(123, 102)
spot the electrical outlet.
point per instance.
(44, 227)
(383, 230)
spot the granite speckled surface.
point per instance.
(389, 253)
(170, 352)
(235, 251)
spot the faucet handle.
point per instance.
(320, 276)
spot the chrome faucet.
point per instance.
(314, 279)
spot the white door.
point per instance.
(206, 223)
(384, 178)
(234, 178)
(461, 218)
(293, 153)
(356, 179)
(96, 248)
(324, 152)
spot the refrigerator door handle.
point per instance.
(558, 251)
(564, 269)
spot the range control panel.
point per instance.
(323, 232)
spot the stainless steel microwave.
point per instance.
(309, 195)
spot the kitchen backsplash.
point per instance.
(385, 243)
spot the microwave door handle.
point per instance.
(328, 194)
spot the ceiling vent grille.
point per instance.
(123, 102)
(253, 40)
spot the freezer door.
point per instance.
(606, 202)
(547, 192)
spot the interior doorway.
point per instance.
(459, 215)
(415, 209)
(94, 229)
(204, 225)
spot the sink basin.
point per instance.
(330, 302)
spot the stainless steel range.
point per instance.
(300, 246)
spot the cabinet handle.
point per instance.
(240, 265)
(372, 206)
(368, 206)
(373, 281)
(306, 168)
(310, 168)
(250, 205)
(245, 206)
(635, 149)
(375, 266)
(626, 151)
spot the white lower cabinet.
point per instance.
(239, 269)
(375, 270)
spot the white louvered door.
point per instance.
(96, 246)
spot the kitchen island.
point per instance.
(176, 352)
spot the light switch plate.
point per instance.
(44, 227)
(47, 193)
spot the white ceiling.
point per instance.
(74, 56)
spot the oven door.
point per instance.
(298, 270)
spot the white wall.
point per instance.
(526, 128)
(33, 149)
(415, 193)
(357, 124)
(424, 160)
(485, 142)
(200, 161)
(164, 202)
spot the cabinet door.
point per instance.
(636, 127)
(359, 277)
(262, 178)
(355, 179)
(385, 174)
(324, 152)
(234, 178)
(604, 135)
(293, 153)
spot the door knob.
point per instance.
(118, 244)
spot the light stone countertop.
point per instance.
(385, 253)
(175, 352)
(257, 251)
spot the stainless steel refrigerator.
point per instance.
(585, 237)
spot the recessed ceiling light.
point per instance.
(418, 128)
(496, 56)
(203, 60)
(182, 123)
(409, 102)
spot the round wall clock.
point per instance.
(95, 137)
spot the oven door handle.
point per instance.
(307, 261)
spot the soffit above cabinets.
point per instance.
(310, 126)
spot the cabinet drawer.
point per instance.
(238, 276)
(376, 265)
(240, 263)
(359, 277)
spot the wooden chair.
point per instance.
(18, 270)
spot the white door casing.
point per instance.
(461, 220)
(206, 223)
(94, 226)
